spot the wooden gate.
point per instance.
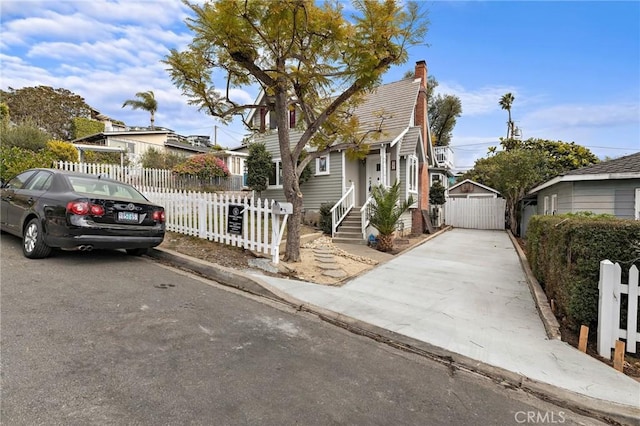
(475, 213)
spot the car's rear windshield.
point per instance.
(105, 189)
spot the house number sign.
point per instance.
(234, 219)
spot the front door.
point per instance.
(374, 172)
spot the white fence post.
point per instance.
(606, 309)
(611, 289)
(632, 313)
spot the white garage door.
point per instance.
(475, 213)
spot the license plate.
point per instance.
(127, 217)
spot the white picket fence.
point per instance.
(610, 289)
(208, 215)
(475, 213)
(155, 178)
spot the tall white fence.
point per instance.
(475, 213)
(155, 178)
(610, 289)
(223, 218)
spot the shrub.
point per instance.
(203, 166)
(15, 160)
(62, 151)
(105, 157)
(26, 136)
(325, 217)
(565, 253)
(155, 159)
(82, 126)
(258, 167)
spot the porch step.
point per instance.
(340, 240)
(350, 230)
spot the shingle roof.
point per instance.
(626, 164)
(627, 167)
(408, 145)
(393, 102)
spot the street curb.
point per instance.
(549, 320)
(603, 410)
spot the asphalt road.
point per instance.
(102, 338)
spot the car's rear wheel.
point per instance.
(33, 245)
(136, 251)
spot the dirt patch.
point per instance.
(351, 262)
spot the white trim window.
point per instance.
(412, 174)
(275, 175)
(322, 165)
(546, 205)
(554, 203)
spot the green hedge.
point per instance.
(565, 253)
(81, 127)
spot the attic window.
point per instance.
(292, 116)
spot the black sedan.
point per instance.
(75, 211)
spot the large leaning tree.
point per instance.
(302, 53)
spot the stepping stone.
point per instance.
(327, 266)
(322, 251)
(325, 259)
(335, 273)
(324, 256)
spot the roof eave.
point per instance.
(586, 177)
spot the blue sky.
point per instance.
(574, 67)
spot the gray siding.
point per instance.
(625, 201)
(403, 177)
(564, 190)
(324, 188)
(318, 189)
(615, 197)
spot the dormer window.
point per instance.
(292, 116)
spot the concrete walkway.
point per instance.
(465, 291)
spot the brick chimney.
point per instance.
(420, 120)
(421, 103)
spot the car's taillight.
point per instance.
(158, 216)
(82, 208)
(78, 207)
(96, 210)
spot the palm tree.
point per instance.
(146, 101)
(505, 102)
(386, 213)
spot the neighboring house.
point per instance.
(400, 153)
(235, 159)
(611, 187)
(136, 141)
(441, 167)
(472, 189)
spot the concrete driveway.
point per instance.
(465, 291)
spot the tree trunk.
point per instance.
(290, 183)
(292, 249)
(385, 243)
(513, 222)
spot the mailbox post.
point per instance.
(278, 209)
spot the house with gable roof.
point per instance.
(402, 153)
(611, 187)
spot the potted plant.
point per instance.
(386, 211)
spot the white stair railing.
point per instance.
(365, 214)
(340, 210)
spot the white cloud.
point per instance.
(479, 101)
